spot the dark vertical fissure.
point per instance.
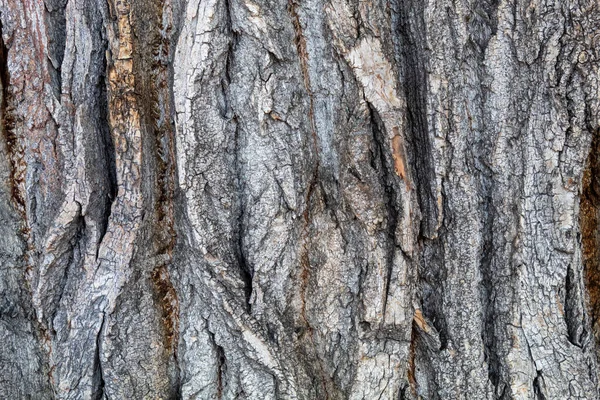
(488, 282)
(482, 26)
(221, 361)
(226, 78)
(411, 57)
(57, 28)
(4, 77)
(432, 274)
(221, 369)
(5, 81)
(387, 180)
(245, 270)
(573, 314)
(108, 147)
(98, 378)
(12, 145)
(538, 386)
(589, 209)
(412, 366)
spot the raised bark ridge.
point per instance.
(313, 199)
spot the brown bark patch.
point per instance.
(12, 145)
(169, 304)
(399, 158)
(412, 379)
(590, 224)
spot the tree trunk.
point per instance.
(311, 199)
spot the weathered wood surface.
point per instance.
(311, 199)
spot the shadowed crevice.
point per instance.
(107, 148)
(482, 23)
(574, 317)
(539, 386)
(12, 144)
(245, 269)
(221, 370)
(166, 298)
(410, 41)
(57, 37)
(589, 210)
(98, 377)
(385, 168)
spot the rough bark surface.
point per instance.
(311, 199)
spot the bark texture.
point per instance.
(311, 199)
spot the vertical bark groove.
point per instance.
(107, 151)
(12, 144)
(387, 181)
(98, 380)
(55, 16)
(590, 231)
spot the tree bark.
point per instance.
(311, 199)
